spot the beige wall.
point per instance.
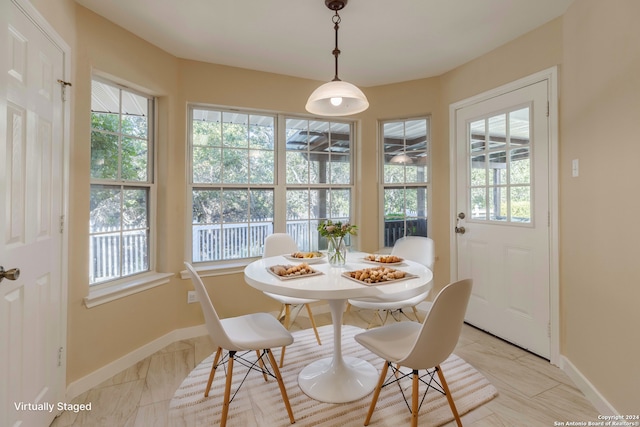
(102, 334)
(596, 49)
(600, 268)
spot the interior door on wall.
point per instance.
(502, 202)
(31, 185)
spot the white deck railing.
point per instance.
(234, 241)
(106, 259)
(210, 243)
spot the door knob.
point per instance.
(459, 230)
(11, 274)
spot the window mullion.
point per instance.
(280, 188)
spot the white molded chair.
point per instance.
(282, 244)
(414, 248)
(420, 347)
(257, 332)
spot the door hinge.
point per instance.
(61, 224)
(63, 87)
(60, 351)
(547, 108)
(549, 330)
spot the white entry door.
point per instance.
(31, 190)
(502, 209)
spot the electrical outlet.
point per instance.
(191, 297)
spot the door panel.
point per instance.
(31, 183)
(502, 189)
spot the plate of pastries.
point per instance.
(308, 257)
(383, 259)
(378, 275)
(298, 271)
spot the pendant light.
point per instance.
(336, 98)
(401, 159)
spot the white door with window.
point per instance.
(502, 214)
(31, 190)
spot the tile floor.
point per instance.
(531, 391)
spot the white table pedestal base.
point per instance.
(338, 379)
(331, 382)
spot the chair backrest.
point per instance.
(211, 319)
(441, 329)
(416, 248)
(279, 244)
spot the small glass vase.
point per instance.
(337, 252)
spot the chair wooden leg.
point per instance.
(227, 391)
(386, 317)
(282, 356)
(313, 323)
(414, 399)
(397, 372)
(449, 397)
(415, 313)
(261, 363)
(287, 319)
(213, 371)
(376, 392)
(281, 314)
(377, 315)
(347, 311)
(283, 390)
(371, 321)
(287, 316)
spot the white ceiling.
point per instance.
(382, 41)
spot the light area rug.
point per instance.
(259, 403)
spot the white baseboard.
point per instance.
(591, 393)
(102, 374)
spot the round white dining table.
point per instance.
(339, 378)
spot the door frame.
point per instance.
(47, 29)
(549, 75)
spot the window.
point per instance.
(121, 181)
(233, 177)
(318, 178)
(406, 178)
(254, 173)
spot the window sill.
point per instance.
(126, 288)
(219, 269)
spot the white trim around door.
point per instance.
(551, 77)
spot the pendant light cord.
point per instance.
(336, 52)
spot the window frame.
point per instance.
(280, 186)
(109, 290)
(383, 186)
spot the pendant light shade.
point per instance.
(401, 159)
(336, 98)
